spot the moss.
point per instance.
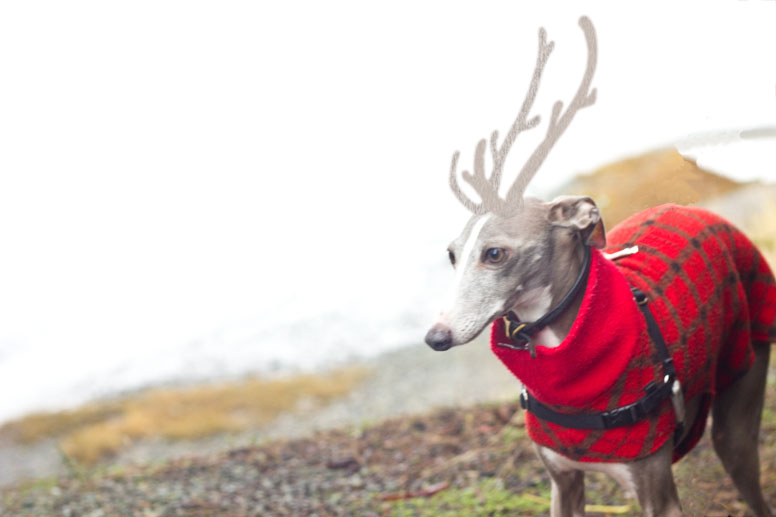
(97, 431)
(486, 498)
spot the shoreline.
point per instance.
(406, 381)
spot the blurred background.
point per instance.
(194, 194)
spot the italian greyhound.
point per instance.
(523, 256)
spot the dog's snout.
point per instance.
(440, 337)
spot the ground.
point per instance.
(473, 461)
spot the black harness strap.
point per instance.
(630, 414)
(521, 332)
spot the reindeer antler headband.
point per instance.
(487, 188)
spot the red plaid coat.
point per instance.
(712, 294)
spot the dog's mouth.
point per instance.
(440, 336)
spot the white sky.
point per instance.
(168, 166)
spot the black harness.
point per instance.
(521, 332)
(654, 394)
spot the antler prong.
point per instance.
(521, 124)
(545, 48)
(583, 98)
(479, 162)
(487, 188)
(494, 148)
(465, 201)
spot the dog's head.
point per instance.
(502, 264)
(502, 256)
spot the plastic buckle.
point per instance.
(517, 332)
(524, 399)
(615, 418)
(611, 418)
(655, 394)
(639, 295)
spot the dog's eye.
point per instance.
(495, 255)
(452, 256)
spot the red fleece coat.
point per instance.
(712, 295)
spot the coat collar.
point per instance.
(594, 354)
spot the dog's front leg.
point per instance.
(653, 483)
(568, 494)
(568, 486)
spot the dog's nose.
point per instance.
(439, 337)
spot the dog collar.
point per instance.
(521, 332)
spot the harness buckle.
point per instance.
(640, 297)
(616, 417)
(655, 392)
(524, 399)
(515, 332)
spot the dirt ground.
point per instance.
(474, 461)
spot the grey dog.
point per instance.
(526, 258)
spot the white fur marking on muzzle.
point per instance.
(466, 252)
(469, 246)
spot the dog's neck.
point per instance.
(565, 267)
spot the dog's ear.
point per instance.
(580, 214)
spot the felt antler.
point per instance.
(487, 188)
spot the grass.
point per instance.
(490, 498)
(100, 430)
(486, 498)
